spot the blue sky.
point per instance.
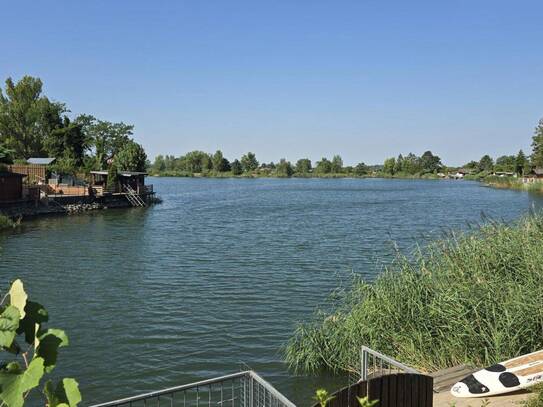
(363, 79)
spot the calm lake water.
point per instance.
(215, 279)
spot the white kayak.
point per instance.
(505, 377)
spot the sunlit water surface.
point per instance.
(215, 279)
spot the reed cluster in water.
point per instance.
(472, 298)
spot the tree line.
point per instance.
(200, 162)
(32, 125)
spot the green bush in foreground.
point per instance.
(471, 298)
(30, 352)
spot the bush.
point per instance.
(6, 222)
(471, 298)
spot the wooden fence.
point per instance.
(34, 172)
(395, 390)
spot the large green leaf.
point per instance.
(66, 394)
(49, 342)
(15, 382)
(36, 314)
(18, 297)
(9, 322)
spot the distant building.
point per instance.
(36, 169)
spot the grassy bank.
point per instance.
(513, 183)
(470, 298)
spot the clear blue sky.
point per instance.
(363, 79)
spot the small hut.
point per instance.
(11, 186)
(126, 180)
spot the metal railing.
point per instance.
(244, 389)
(376, 364)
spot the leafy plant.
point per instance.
(322, 397)
(34, 349)
(537, 399)
(365, 402)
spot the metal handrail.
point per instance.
(279, 399)
(379, 360)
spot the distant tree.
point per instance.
(472, 165)
(105, 139)
(411, 164)
(68, 142)
(361, 169)
(27, 117)
(195, 162)
(506, 163)
(398, 165)
(249, 162)
(430, 162)
(537, 145)
(521, 163)
(324, 166)
(337, 164)
(159, 165)
(303, 166)
(389, 165)
(486, 163)
(220, 164)
(236, 166)
(131, 157)
(284, 168)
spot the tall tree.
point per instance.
(337, 164)
(361, 169)
(220, 164)
(537, 145)
(303, 166)
(249, 162)
(237, 169)
(486, 163)
(284, 168)
(430, 162)
(521, 163)
(131, 157)
(27, 117)
(389, 165)
(324, 166)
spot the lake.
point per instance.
(215, 279)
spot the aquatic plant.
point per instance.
(471, 298)
(22, 320)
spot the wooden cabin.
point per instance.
(36, 169)
(134, 180)
(11, 186)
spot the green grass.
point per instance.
(7, 223)
(536, 400)
(470, 298)
(513, 183)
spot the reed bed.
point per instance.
(474, 298)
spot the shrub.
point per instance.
(470, 298)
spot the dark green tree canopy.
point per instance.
(237, 169)
(303, 166)
(131, 157)
(537, 145)
(249, 162)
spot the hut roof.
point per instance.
(41, 161)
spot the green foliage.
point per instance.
(361, 169)
(365, 402)
(237, 169)
(284, 168)
(27, 118)
(324, 166)
(471, 298)
(6, 222)
(220, 164)
(322, 397)
(112, 178)
(23, 374)
(389, 166)
(537, 145)
(337, 164)
(249, 162)
(6, 155)
(303, 166)
(537, 399)
(131, 157)
(486, 163)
